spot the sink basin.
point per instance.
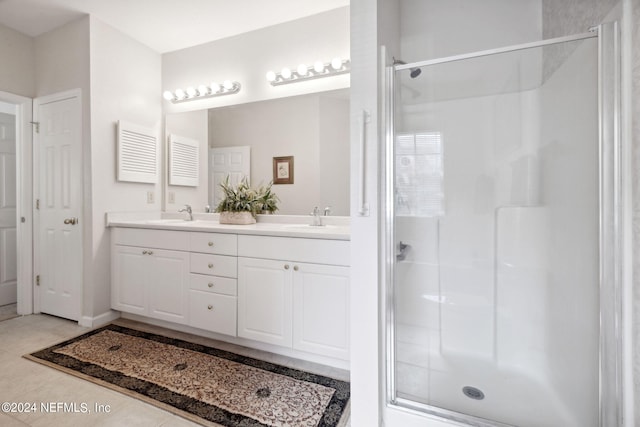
(309, 227)
(167, 221)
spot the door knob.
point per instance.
(72, 221)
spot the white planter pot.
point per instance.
(239, 218)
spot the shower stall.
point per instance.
(501, 248)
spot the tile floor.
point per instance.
(8, 311)
(23, 381)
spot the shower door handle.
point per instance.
(403, 248)
(363, 209)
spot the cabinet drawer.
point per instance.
(145, 238)
(317, 251)
(214, 265)
(214, 243)
(215, 284)
(212, 312)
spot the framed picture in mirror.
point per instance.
(283, 170)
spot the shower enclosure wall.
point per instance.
(500, 237)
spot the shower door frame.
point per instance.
(611, 225)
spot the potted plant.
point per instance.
(268, 199)
(242, 203)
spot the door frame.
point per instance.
(24, 198)
(37, 102)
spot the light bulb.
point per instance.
(167, 95)
(191, 91)
(215, 87)
(202, 90)
(227, 84)
(271, 76)
(180, 94)
(303, 69)
(286, 73)
(318, 66)
(336, 63)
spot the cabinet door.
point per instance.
(168, 284)
(128, 279)
(264, 300)
(321, 309)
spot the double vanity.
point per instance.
(280, 285)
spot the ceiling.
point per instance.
(163, 25)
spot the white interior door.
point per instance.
(58, 142)
(234, 162)
(8, 248)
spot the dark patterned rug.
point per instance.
(204, 384)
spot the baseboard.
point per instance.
(102, 319)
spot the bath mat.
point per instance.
(203, 384)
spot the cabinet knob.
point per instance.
(144, 252)
(150, 252)
(210, 285)
(209, 307)
(295, 268)
(286, 266)
(210, 265)
(210, 243)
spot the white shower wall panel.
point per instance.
(418, 305)
(522, 290)
(467, 285)
(480, 167)
(569, 156)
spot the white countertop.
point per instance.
(333, 228)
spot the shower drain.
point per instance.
(473, 393)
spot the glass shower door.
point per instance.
(495, 166)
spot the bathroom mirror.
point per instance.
(313, 129)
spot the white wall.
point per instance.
(62, 60)
(367, 359)
(438, 28)
(17, 74)
(125, 85)
(246, 58)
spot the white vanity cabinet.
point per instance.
(285, 294)
(212, 282)
(148, 277)
(295, 292)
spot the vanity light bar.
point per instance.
(308, 72)
(201, 92)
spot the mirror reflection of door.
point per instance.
(8, 248)
(234, 162)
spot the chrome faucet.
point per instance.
(316, 218)
(187, 209)
(327, 211)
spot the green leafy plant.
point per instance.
(243, 198)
